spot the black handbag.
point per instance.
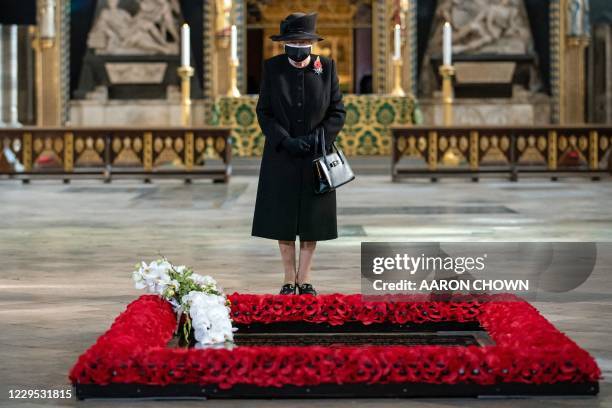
(330, 170)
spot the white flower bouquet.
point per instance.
(198, 301)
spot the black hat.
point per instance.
(298, 26)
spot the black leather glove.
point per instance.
(311, 138)
(295, 146)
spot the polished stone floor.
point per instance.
(66, 253)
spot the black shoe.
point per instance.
(306, 289)
(288, 289)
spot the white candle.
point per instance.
(14, 77)
(234, 43)
(447, 45)
(47, 20)
(186, 46)
(398, 53)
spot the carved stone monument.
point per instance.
(491, 36)
(132, 50)
(493, 55)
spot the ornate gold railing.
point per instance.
(475, 150)
(108, 152)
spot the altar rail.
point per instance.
(474, 150)
(66, 152)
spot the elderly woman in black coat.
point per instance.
(298, 99)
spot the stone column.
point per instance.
(600, 75)
(381, 54)
(574, 36)
(409, 48)
(49, 73)
(575, 80)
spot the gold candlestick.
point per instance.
(397, 87)
(185, 72)
(447, 72)
(233, 90)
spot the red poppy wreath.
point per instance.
(527, 348)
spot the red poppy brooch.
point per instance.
(318, 67)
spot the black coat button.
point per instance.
(299, 103)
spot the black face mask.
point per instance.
(298, 54)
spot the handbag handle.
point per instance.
(321, 140)
(323, 151)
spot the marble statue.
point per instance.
(578, 24)
(153, 29)
(481, 28)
